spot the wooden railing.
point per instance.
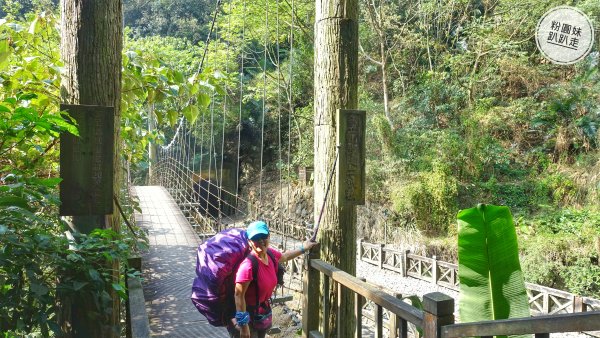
(542, 299)
(435, 320)
(137, 323)
(540, 326)
(437, 307)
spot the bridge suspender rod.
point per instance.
(212, 119)
(290, 110)
(280, 218)
(212, 26)
(262, 124)
(237, 174)
(224, 113)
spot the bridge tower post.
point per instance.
(91, 47)
(335, 88)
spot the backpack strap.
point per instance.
(272, 255)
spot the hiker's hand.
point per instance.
(245, 331)
(309, 245)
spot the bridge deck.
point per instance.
(168, 268)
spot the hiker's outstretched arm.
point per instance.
(291, 254)
(240, 296)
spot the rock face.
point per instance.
(289, 203)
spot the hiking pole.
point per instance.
(337, 154)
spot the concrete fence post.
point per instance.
(434, 270)
(361, 250)
(405, 263)
(578, 305)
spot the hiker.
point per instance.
(252, 320)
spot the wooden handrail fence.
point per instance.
(542, 299)
(435, 320)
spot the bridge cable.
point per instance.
(224, 110)
(212, 120)
(237, 175)
(291, 110)
(262, 125)
(279, 163)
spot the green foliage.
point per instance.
(176, 18)
(427, 200)
(40, 269)
(38, 266)
(559, 249)
(491, 280)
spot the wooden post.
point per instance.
(339, 316)
(91, 46)
(398, 326)
(326, 307)
(335, 87)
(381, 255)
(438, 310)
(378, 316)
(359, 302)
(310, 301)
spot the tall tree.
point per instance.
(336, 87)
(91, 45)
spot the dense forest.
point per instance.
(462, 108)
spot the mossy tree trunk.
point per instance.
(335, 85)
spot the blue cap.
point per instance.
(257, 228)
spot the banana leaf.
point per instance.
(490, 275)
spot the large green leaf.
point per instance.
(191, 113)
(491, 280)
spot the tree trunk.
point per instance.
(91, 46)
(377, 23)
(335, 85)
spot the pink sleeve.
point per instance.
(244, 273)
(276, 254)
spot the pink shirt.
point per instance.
(267, 277)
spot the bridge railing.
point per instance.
(435, 320)
(540, 326)
(542, 299)
(438, 308)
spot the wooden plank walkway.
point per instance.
(169, 268)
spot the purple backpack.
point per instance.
(216, 264)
